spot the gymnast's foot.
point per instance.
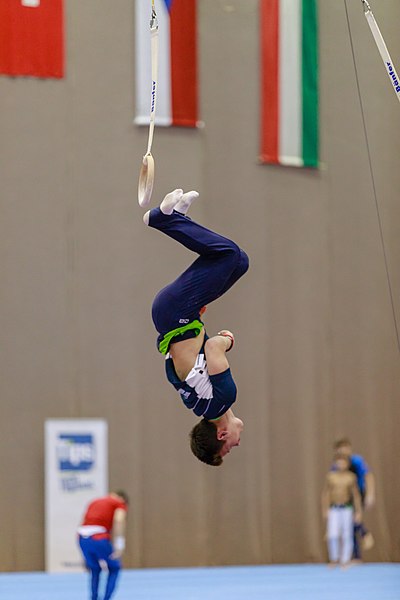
(185, 202)
(170, 201)
(175, 200)
(167, 205)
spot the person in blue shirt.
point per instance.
(196, 365)
(366, 486)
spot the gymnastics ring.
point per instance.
(146, 180)
(146, 176)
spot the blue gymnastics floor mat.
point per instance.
(276, 582)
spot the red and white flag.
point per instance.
(289, 82)
(32, 38)
(177, 92)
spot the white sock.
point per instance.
(170, 201)
(186, 201)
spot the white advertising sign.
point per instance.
(76, 472)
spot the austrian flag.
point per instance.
(177, 92)
(289, 82)
(32, 38)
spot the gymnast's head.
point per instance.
(210, 441)
(343, 446)
(342, 461)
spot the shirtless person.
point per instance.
(362, 538)
(197, 365)
(341, 507)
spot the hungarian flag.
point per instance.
(177, 91)
(289, 82)
(32, 38)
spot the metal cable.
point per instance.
(373, 182)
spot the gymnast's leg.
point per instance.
(114, 568)
(220, 263)
(89, 551)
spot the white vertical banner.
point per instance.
(76, 472)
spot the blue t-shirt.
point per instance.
(359, 467)
(208, 396)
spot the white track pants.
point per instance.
(340, 534)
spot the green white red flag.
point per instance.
(289, 82)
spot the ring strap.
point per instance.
(154, 82)
(380, 42)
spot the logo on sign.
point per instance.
(75, 452)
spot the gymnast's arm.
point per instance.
(369, 490)
(215, 349)
(357, 501)
(325, 497)
(118, 530)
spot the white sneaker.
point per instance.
(170, 201)
(186, 201)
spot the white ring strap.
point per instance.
(154, 83)
(380, 42)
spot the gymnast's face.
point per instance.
(342, 464)
(231, 435)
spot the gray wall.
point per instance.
(317, 355)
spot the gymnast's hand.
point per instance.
(229, 336)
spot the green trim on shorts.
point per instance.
(165, 342)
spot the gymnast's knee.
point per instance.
(237, 255)
(94, 567)
(243, 262)
(114, 566)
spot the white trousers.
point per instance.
(340, 528)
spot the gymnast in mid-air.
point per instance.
(196, 364)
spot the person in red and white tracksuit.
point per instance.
(102, 538)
